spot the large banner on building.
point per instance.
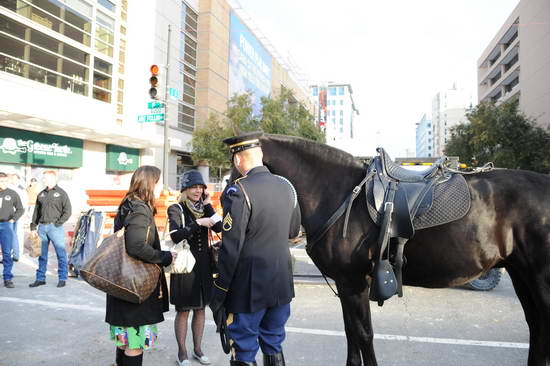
(250, 64)
(33, 148)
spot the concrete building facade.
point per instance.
(516, 63)
(234, 57)
(75, 81)
(449, 108)
(335, 112)
(424, 138)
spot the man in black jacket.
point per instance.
(254, 285)
(52, 210)
(11, 210)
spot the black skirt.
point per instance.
(192, 291)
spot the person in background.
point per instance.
(191, 291)
(18, 237)
(133, 326)
(53, 209)
(32, 193)
(11, 210)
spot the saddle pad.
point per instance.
(451, 201)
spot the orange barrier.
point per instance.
(111, 198)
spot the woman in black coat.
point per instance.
(192, 291)
(133, 326)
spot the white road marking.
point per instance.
(385, 337)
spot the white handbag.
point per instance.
(185, 261)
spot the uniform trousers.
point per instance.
(264, 328)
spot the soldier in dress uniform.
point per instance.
(254, 286)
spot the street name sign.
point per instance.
(155, 105)
(158, 117)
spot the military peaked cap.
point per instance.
(243, 142)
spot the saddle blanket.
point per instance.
(451, 201)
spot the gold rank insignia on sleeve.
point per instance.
(227, 222)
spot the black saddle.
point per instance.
(401, 201)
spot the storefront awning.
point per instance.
(115, 134)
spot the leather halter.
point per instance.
(344, 207)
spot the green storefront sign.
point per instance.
(120, 158)
(27, 147)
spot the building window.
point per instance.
(341, 121)
(341, 112)
(188, 63)
(104, 34)
(73, 20)
(332, 91)
(48, 61)
(188, 20)
(341, 102)
(186, 117)
(315, 91)
(108, 5)
(341, 90)
(102, 80)
(429, 132)
(333, 112)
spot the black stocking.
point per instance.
(197, 326)
(180, 328)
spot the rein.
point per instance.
(344, 207)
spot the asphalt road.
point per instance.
(51, 326)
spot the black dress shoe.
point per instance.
(15, 259)
(37, 283)
(9, 284)
(61, 283)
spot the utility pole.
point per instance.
(166, 154)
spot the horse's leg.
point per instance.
(535, 301)
(358, 324)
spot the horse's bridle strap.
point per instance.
(344, 207)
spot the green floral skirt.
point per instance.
(143, 337)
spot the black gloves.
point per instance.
(217, 305)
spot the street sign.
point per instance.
(154, 105)
(151, 117)
(174, 93)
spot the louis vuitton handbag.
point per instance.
(114, 272)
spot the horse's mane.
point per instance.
(325, 155)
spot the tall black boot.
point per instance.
(241, 363)
(133, 360)
(119, 357)
(278, 359)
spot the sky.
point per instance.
(396, 54)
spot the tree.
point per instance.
(503, 135)
(279, 115)
(207, 142)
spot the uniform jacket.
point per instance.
(142, 242)
(185, 289)
(52, 207)
(260, 214)
(11, 207)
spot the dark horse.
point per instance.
(508, 225)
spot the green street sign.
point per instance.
(151, 117)
(33, 148)
(121, 158)
(153, 105)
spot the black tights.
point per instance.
(197, 327)
(124, 360)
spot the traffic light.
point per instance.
(154, 81)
